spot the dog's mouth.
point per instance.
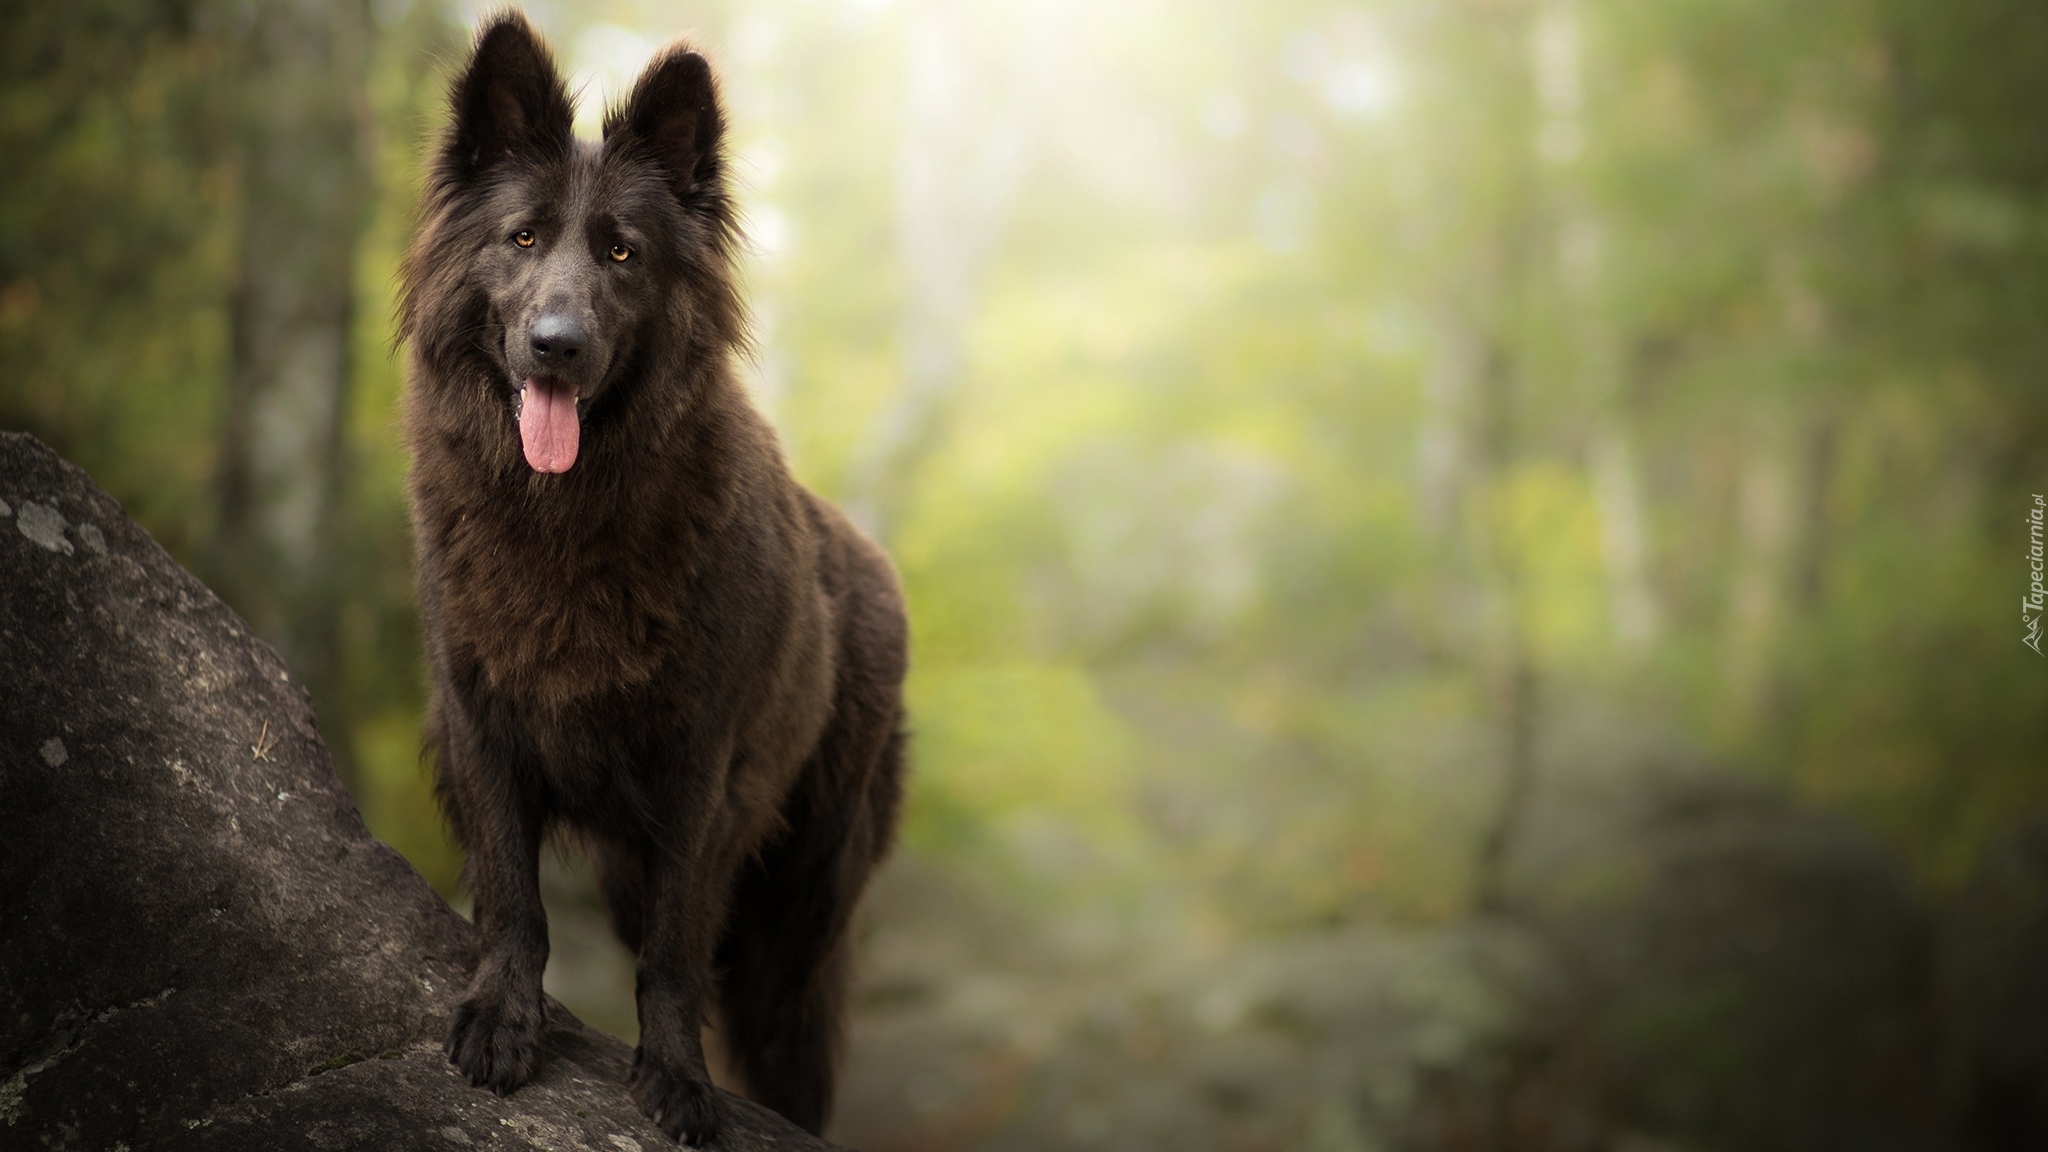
(549, 429)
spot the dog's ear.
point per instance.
(508, 101)
(673, 114)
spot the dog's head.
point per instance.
(572, 271)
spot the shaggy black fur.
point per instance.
(666, 648)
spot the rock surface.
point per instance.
(201, 946)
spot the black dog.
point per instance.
(640, 629)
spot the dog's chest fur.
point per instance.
(551, 622)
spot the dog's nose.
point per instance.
(558, 337)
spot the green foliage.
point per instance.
(1783, 254)
(1294, 424)
(115, 241)
(1317, 366)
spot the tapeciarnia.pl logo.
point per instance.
(2036, 597)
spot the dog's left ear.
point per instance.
(673, 113)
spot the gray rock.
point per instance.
(201, 946)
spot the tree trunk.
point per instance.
(282, 474)
(966, 136)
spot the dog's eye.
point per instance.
(523, 238)
(620, 252)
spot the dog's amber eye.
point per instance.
(620, 252)
(523, 239)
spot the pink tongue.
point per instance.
(548, 427)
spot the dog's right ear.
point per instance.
(509, 100)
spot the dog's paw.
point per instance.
(495, 1043)
(688, 1110)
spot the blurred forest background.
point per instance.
(1463, 554)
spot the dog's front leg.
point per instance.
(688, 881)
(495, 1038)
